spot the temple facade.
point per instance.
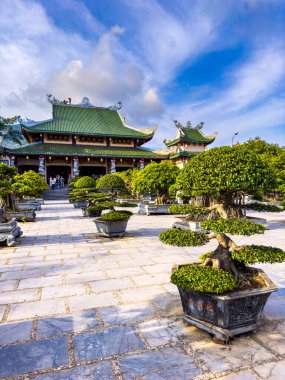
(81, 139)
(187, 142)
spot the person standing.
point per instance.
(53, 183)
(62, 182)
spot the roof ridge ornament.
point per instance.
(52, 100)
(116, 107)
(85, 102)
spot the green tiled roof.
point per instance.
(190, 135)
(71, 119)
(182, 154)
(85, 150)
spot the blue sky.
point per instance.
(217, 61)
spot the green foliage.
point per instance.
(29, 183)
(252, 254)
(263, 207)
(128, 176)
(111, 182)
(232, 226)
(271, 154)
(225, 170)
(116, 216)
(7, 173)
(182, 238)
(203, 279)
(85, 182)
(126, 204)
(71, 185)
(7, 131)
(156, 177)
(282, 204)
(109, 204)
(97, 207)
(98, 197)
(188, 209)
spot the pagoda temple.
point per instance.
(81, 139)
(187, 142)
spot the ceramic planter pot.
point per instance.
(111, 228)
(27, 215)
(10, 231)
(80, 204)
(228, 314)
(91, 213)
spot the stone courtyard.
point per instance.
(75, 306)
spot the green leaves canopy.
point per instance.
(225, 170)
(29, 183)
(156, 177)
(109, 182)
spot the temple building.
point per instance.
(187, 142)
(82, 139)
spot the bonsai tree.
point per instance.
(111, 182)
(85, 182)
(7, 174)
(222, 173)
(128, 177)
(157, 178)
(30, 184)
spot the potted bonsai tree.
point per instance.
(82, 187)
(28, 184)
(111, 183)
(10, 230)
(113, 223)
(221, 294)
(156, 178)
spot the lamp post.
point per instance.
(235, 134)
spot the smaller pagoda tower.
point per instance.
(187, 142)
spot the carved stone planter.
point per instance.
(153, 209)
(90, 213)
(29, 206)
(111, 229)
(80, 204)
(9, 232)
(27, 215)
(227, 314)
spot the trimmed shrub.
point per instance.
(126, 204)
(233, 226)
(182, 238)
(188, 209)
(252, 254)
(109, 204)
(203, 279)
(263, 207)
(110, 182)
(116, 216)
(85, 182)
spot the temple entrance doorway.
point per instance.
(25, 168)
(58, 170)
(92, 171)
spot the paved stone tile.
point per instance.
(17, 296)
(17, 275)
(40, 281)
(169, 306)
(36, 309)
(77, 322)
(91, 301)
(243, 352)
(166, 364)
(106, 343)
(151, 279)
(125, 313)
(2, 311)
(124, 272)
(142, 294)
(273, 336)
(84, 277)
(274, 309)
(100, 371)
(6, 286)
(13, 332)
(271, 371)
(239, 376)
(158, 268)
(23, 358)
(111, 284)
(63, 291)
